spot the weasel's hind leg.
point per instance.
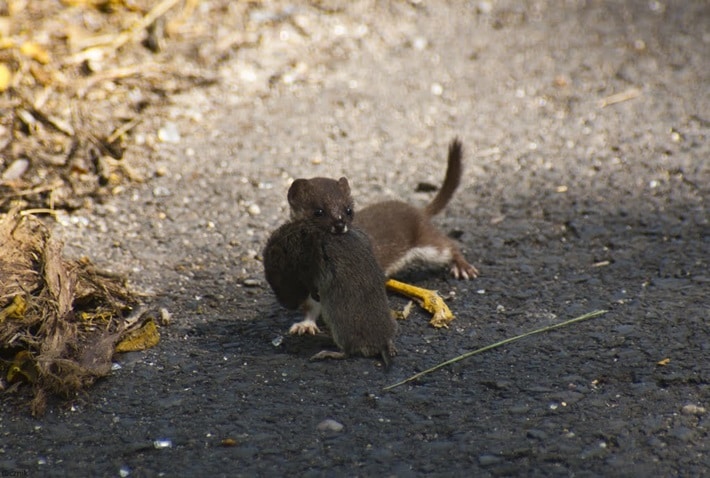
(460, 268)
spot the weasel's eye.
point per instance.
(318, 213)
(349, 211)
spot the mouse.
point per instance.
(320, 263)
(403, 234)
(322, 203)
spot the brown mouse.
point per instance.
(402, 234)
(320, 263)
(326, 204)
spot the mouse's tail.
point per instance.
(451, 180)
(386, 360)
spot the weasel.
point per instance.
(402, 234)
(318, 262)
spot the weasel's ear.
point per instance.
(297, 191)
(344, 186)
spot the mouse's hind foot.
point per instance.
(329, 354)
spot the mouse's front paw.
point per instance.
(304, 327)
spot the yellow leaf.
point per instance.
(663, 362)
(144, 338)
(35, 51)
(16, 310)
(5, 77)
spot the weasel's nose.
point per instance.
(339, 227)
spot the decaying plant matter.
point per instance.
(60, 320)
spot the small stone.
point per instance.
(160, 444)
(330, 425)
(165, 316)
(536, 434)
(254, 210)
(15, 170)
(485, 7)
(488, 460)
(251, 282)
(161, 191)
(692, 409)
(420, 43)
(169, 133)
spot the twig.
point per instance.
(495, 345)
(125, 36)
(123, 129)
(620, 97)
(38, 189)
(27, 212)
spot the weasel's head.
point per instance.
(324, 202)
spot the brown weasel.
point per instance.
(318, 262)
(402, 234)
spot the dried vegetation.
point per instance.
(61, 319)
(75, 78)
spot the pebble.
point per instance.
(330, 425)
(169, 133)
(15, 170)
(254, 210)
(251, 282)
(488, 460)
(161, 191)
(519, 409)
(536, 434)
(692, 409)
(162, 443)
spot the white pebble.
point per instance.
(16, 170)
(692, 409)
(160, 444)
(330, 425)
(169, 133)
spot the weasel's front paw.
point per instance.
(461, 269)
(304, 327)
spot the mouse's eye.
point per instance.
(318, 212)
(349, 211)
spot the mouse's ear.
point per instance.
(297, 191)
(344, 186)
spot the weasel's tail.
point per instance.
(451, 180)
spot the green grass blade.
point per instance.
(589, 315)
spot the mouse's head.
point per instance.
(324, 202)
